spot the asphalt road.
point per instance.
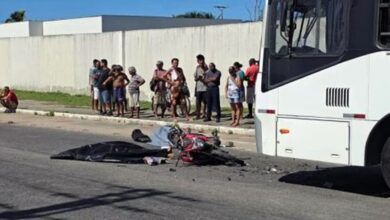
(34, 187)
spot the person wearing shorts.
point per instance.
(118, 94)
(233, 94)
(136, 81)
(160, 76)
(104, 89)
(119, 81)
(94, 76)
(237, 66)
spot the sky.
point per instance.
(62, 9)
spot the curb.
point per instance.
(222, 129)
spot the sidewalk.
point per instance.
(146, 118)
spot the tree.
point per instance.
(16, 16)
(196, 14)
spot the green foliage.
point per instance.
(196, 14)
(62, 98)
(16, 16)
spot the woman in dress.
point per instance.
(177, 80)
(233, 94)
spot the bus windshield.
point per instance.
(307, 27)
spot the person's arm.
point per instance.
(126, 79)
(6, 97)
(168, 77)
(238, 81)
(246, 75)
(107, 80)
(226, 88)
(184, 76)
(142, 81)
(196, 77)
(212, 79)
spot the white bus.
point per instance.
(324, 92)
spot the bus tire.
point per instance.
(385, 162)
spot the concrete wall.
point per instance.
(124, 23)
(89, 25)
(222, 45)
(21, 29)
(61, 63)
(58, 63)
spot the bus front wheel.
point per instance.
(385, 162)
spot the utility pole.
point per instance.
(221, 8)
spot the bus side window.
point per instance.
(384, 23)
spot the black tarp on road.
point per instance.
(115, 151)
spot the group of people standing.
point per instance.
(207, 89)
(108, 89)
(235, 89)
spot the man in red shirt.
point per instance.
(250, 76)
(9, 100)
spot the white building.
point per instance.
(101, 24)
(21, 29)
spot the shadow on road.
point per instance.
(115, 200)
(361, 180)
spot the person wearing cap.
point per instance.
(250, 76)
(135, 82)
(160, 78)
(237, 66)
(9, 100)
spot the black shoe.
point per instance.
(218, 120)
(109, 113)
(207, 119)
(249, 116)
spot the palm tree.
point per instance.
(16, 16)
(196, 14)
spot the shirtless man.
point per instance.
(176, 80)
(160, 89)
(120, 81)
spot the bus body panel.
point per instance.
(359, 132)
(366, 78)
(265, 134)
(320, 140)
(329, 104)
(379, 85)
(331, 93)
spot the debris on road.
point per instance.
(197, 149)
(153, 161)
